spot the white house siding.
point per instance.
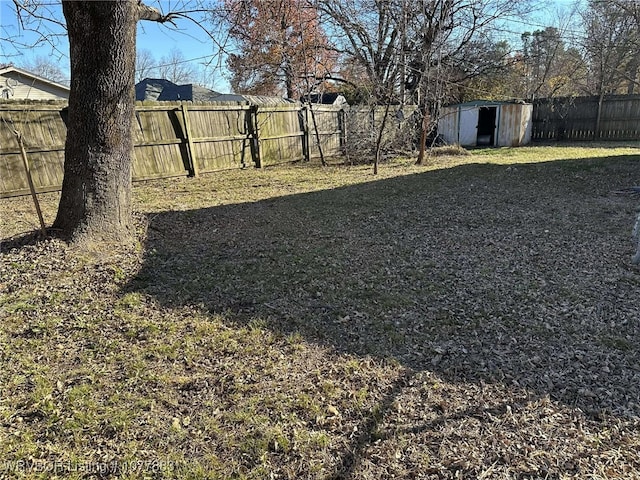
(16, 86)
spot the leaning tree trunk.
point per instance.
(95, 205)
(380, 138)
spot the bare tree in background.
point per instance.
(173, 67)
(146, 64)
(45, 67)
(41, 20)
(413, 50)
(552, 68)
(612, 45)
(176, 68)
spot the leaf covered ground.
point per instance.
(477, 317)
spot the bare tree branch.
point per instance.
(154, 15)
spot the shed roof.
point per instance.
(487, 103)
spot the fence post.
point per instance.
(191, 159)
(317, 135)
(32, 188)
(255, 136)
(596, 132)
(306, 139)
(342, 126)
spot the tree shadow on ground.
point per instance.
(20, 240)
(516, 276)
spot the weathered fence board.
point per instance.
(43, 130)
(171, 139)
(220, 137)
(329, 123)
(159, 148)
(280, 134)
(175, 139)
(616, 117)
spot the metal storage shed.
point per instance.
(486, 123)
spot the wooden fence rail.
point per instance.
(172, 139)
(176, 139)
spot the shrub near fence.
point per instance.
(171, 139)
(363, 122)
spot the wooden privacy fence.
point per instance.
(172, 139)
(613, 117)
(43, 132)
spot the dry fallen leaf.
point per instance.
(333, 411)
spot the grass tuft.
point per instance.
(449, 150)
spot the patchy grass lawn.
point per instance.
(477, 317)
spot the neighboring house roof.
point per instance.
(19, 84)
(161, 90)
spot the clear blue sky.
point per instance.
(186, 36)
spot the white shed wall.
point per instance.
(458, 124)
(448, 125)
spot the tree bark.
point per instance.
(380, 138)
(423, 137)
(636, 240)
(95, 205)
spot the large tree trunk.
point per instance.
(95, 205)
